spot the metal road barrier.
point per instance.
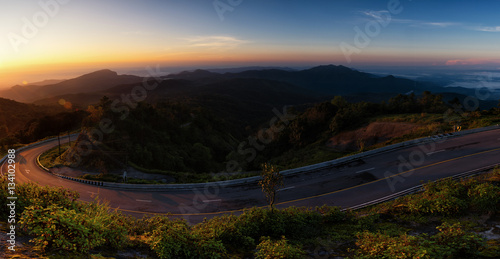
(255, 179)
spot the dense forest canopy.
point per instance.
(188, 137)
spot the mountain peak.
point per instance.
(100, 74)
(331, 68)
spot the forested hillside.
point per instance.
(25, 123)
(198, 136)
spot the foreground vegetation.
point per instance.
(443, 221)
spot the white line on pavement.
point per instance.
(365, 170)
(287, 188)
(430, 153)
(206, 201)
(144, 200)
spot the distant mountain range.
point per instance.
(328, 79)
(93, 82)
(252, 84)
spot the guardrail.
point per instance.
(289, 172)
(419, 188)
(34, 145)
(410, 143)
(390, 197)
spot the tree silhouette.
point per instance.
(271, 181)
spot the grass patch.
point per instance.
(49, 158)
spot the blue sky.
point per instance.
(75, 35)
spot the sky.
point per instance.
(47, 39)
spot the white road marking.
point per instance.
(287, 188)
(365, 170)
(430, 153)
(206, 201)
(143, 200)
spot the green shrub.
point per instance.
(57, 227)
(445, 197)
(253, 223)
(332, 214)
(378, 245)
(271, 249)
(4, 210)
(451, 242)
(114, 226)
(77, 230)
(484, 197)
(296, 223)
(174, 239)
(146, 224)
(31, 194)
(233, 232)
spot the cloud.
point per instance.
(472, 61)
(215, 42)
(426, 24)
(385, 15)
(376, 14)
(440, 24)
(487, 29)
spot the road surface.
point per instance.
(347, 185)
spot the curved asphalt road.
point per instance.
(348, 185)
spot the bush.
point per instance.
(56, 227)
(451, 242)
(378, 245)
(77, 230)
(271, 249)
(484, 197)
(31, 194)
(174, 239)
(114, 226)
(297, 223)
(4, 210)
(445, 197)
(224, 228)
(241, 232)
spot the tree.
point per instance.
(339, 102)
(271, 181)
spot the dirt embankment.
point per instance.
(372, 134)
